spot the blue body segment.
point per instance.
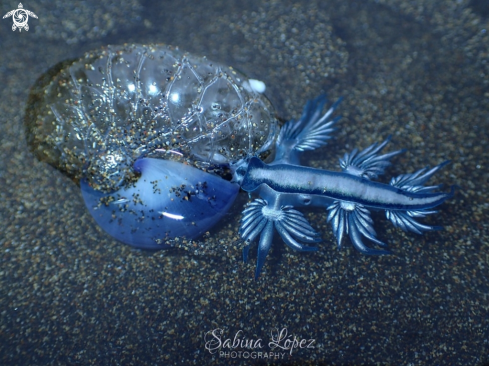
(325, 186)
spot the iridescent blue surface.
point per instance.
(169, 200)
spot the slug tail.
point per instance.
(414, 183)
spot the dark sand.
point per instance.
(417, 70)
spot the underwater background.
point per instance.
(416, 70)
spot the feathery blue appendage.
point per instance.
(260, 219)
(405, 220)
(414, 183)
(367, 163)
(312, 130)
(253, 220)
(354, 220)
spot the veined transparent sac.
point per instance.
(114, 118)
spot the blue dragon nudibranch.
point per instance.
(162, 141)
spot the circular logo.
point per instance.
(20, 18)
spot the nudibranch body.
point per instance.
(161, 142)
